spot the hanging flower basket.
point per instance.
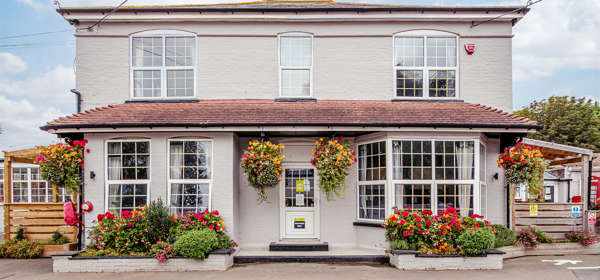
(524, 164)
(333, 158)
(262, 164)
(61, 164)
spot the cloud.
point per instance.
(555, 35)
(11, 64)
(50, 87)
(20, 122)
(38, 5)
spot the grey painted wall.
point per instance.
(351, 60)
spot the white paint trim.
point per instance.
(312, 62)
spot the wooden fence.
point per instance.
(38, 220)
(554, 219)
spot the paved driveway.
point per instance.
(539, 268)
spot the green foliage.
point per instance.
(126, 235)
(197, 243)
(583, 237)
(503, 236)
(476, 242)
(158, 221)
(163, 251)
(542, 237)
(528, 238)
(20, 234)
(22, 249)
(399, 244)
(566, 120)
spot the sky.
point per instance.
(556, 51)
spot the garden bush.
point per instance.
(197, 244)
(21, 249)
(158, 221)
(163, 251)
(58, 239)
(428, 233)
(503, 236)
(126, 235)
(584, 238)
(20, 234)
(528, 239)
(476, 241)
(197, 221)
(542, 237)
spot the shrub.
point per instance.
(197, 243)
(20, 234)
(197, 221)
(528, 239)
(503, 236)
(158, 221)
(126, 235)
(163, 251)
(584, 238)
(58, 239)
(399, 244)
(542, 237)
(430, 234)
(476, 241)
(22, 249)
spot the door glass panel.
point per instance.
(299, 187)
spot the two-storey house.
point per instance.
(173, 94)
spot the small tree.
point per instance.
(566, 120)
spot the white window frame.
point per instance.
(208, 181)
(425, 68)
(378, 182)
(29, 180)
(164, 68)
(433, 182)
(281, 68)
(483, 181)
(108, 182)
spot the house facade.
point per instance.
(172, 95)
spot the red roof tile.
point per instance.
(245, 112)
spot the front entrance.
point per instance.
(299, 203)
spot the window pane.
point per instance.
(123, 197)
(409, 83)
(482, 167)
(459, 196)
(189, 198)
(442, 83)
(441, 52)
(408, 51)
(147, 51)
(128, 160)
(295, 51)
(455, 160)
(372, 161)
(372, 202)
(180, 83)
(146, 83)
(189, 159)
(415, 196)
(413, 160)
(295, 82)
(180, 51)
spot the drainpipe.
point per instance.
(569, 191)
(82, 219)
(589, 190)
(78, 94)
(508, 206)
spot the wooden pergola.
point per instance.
(39, 219)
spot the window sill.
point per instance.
(367, 224)
(295, 99)
(426, 99)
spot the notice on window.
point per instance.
(533, 209)
(299, 199)
(575, 211)
(300, 185)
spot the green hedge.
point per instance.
(197, 244)
(476, 242)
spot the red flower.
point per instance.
(211, 226)
(101, 217)
(341, 138)
(428, 223)
(216, 213)
(402, 222)
(405, 214)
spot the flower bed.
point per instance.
(413, 260)
(550, 249)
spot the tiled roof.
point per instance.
(263, 112)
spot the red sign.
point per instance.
(470, 48)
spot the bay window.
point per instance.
(295, 65)
(434, 174)
(372, 181)
(163, 65)
(128, 174)
(189, 175)
(426, 66)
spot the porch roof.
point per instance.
(559, 154)
(262, 112)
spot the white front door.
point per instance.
(299, 203)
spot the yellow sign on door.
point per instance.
(533, 209)
(299, 185)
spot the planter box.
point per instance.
(71, 262)
(550, 250)
(412, 260)
(50, 250)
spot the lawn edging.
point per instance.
(550, 249)
(220, 260)
(412, 260)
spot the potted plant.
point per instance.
(333, 158)
(61, 164)
(524, 164)
(262, 164)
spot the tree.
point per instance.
(566, 120)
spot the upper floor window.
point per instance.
(426, 66)
(295, 65)
(163, 64)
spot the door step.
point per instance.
(357, 259)
(298, 246)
